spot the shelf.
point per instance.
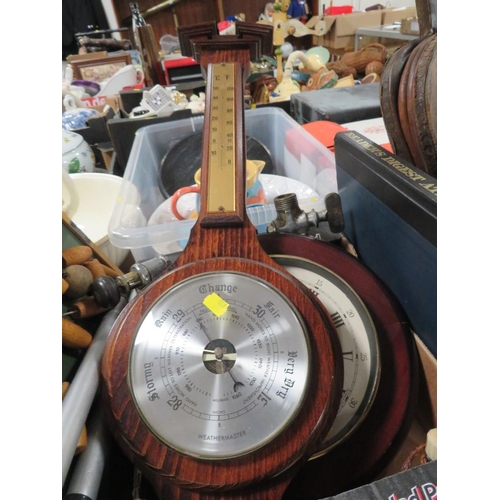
(384, 31)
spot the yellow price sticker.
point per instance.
(216, 304)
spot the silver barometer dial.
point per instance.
(219, 365)
(358, 339)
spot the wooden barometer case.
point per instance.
(223, 376)
(380, 366)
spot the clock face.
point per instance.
(358, 339)
(219, 365)
(347, 461)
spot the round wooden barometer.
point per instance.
(380, 366)
(249, 362)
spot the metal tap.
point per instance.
(292, 219)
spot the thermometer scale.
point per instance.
(222, 137)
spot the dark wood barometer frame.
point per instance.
(224, 240)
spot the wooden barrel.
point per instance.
(408, 100)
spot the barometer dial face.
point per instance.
(219, 365)
(358, 338)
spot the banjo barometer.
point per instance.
(223, 376)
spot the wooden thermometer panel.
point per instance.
(223, 137)
(221, 377)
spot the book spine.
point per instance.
(384, 160)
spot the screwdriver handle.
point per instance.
(74, 336)
(86, 307)
(76, 255)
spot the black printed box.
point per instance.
(390, 213)
(417, 483)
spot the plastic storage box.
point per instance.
(296, 154)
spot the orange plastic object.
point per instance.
(324, 131)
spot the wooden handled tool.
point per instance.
(76, 255)
(74, 336)
(85, 308)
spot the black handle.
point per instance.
(335, 216)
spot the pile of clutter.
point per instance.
(316, 72)
(161, 101)
(368, 63)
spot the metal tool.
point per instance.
(292, 219)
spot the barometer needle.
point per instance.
(202, 326)
(236, 383)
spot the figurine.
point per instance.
(267, 14)
(322, 79)
(279, 19)
(300, 9)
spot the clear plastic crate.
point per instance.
(296, 154)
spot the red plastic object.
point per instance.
(224, 25)
(324, 131)
(339, 9)
(179, 62)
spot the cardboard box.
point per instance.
(341, 29)
(391, 16)
(424, 419)
(410, 26)
(96, 130)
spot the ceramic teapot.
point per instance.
(77, 156)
